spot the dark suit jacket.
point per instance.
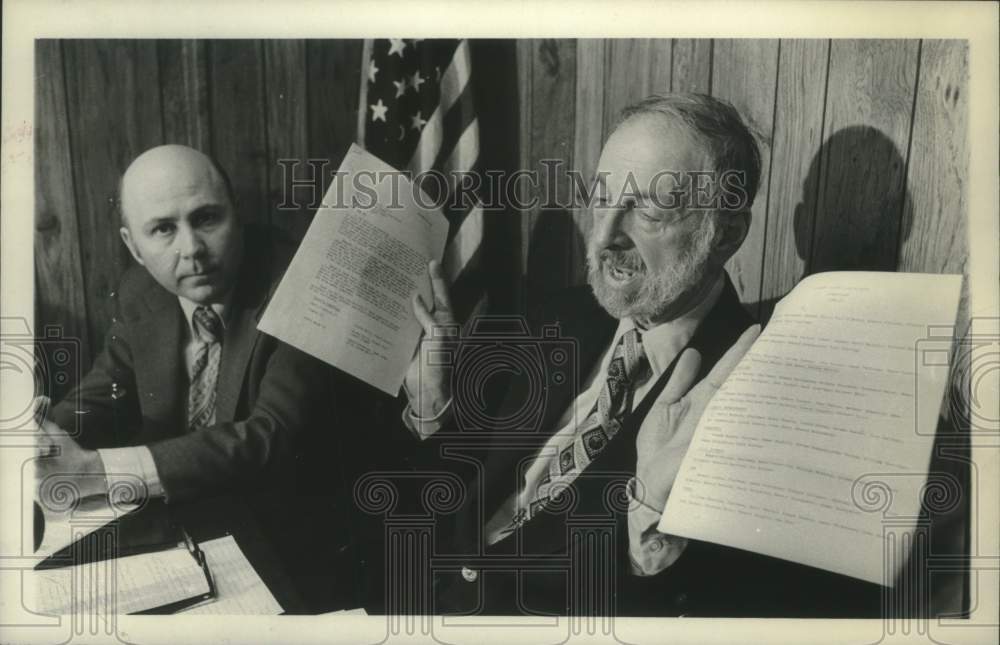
(267, 392)
(538, 570)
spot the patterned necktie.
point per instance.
(573, 452)
(205, 372)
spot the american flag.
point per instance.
(417, 113)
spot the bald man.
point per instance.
(186, 398)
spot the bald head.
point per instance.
(172, 166)
(178, 221)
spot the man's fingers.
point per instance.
(732, 357)
(685, 373)
(424, 317)
(439, 287)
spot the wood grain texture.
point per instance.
(745, 74)
(287, 134)
(495, 81)
(692, 65)
(184, 93)
(333, 72)
(860, 216)
(239, 135)
(627, 70)
(59, 285)
(549, 252)
(661, 63)
(939, 162)
(525, 83)
(588, 126)
(793, 188)
(113, 88)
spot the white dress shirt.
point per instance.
(124, 464)
(650, 550)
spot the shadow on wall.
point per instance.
(854, 212)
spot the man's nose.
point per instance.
(609, 226)
(189, 242)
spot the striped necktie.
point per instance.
(573, 452)
(205, 372)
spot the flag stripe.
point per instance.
(417, 112)
(465, 243)
(453, 84)
(455, 126)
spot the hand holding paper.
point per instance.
(346, 296)
(666, 432)
(428, 380)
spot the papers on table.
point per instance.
(239, 590)
(120, 585)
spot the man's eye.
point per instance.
(207, 218)
(163, 229)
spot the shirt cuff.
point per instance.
(123, 465)
(424, 427)
(650, 551)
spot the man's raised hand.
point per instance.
(428, 379)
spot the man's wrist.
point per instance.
(646, 492)
(427, 403)
(93, 476)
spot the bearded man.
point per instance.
(560, 517)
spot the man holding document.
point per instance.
(659, 330)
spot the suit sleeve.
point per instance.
(242, 454)
(102, 411)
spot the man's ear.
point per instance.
(731, 229)
(130, 243)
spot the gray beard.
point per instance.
(656, 293)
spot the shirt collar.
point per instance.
(188, 307)
(663, 342)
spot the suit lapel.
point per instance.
(159, 376)
(241, 330)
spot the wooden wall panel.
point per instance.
(549, 226)
(589, 127)
(333, 78)
(866, 159)
(183, 68)
(692, 66)
(793, 186)
(115, 115)
(286, 125)
(60, 296)
(239, 135)
(744, 73)
(939, 160)
(861, 215)
(627, 69)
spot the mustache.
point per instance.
(628, 259)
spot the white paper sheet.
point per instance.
(120, 585)
(238, 588)
(820, 439)
(345, 297)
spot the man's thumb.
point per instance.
(41, 404)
